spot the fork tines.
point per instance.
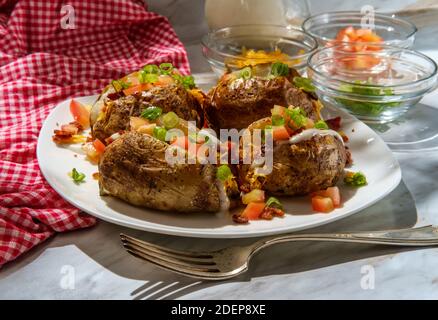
(188, 263)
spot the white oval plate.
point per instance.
(370, 154)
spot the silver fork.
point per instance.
(232, 261)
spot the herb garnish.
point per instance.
(77, 176)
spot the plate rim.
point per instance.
(199, 233)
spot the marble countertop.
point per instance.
(91, 263)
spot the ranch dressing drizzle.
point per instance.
(310, 133)
(223, 198)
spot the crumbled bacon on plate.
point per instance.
(68, 133)
(334, 124)
(238, 218)
(270, 212)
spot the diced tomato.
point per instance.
(322, 204)
(253, 210)
(290, 130)
(99, 146)
(80, 113)
(137, 122)
(370, 37)
(350, 34)
(280, 133)
(347, 34)
(335, 195)
(332, 193)
(132, 79)
(137, 88)
(360, 33)
(165, 80)
(358, 40)
(182, 142)
(255, 195)
(278, 110)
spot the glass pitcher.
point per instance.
(225, 13)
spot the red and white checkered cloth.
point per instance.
(42, 64)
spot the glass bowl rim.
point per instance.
(206, 37)
(349, 14)
(434, 73)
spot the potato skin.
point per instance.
(300, 168)
(169, 98)
(236, 103)
(134, 169)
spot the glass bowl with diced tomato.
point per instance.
(359, 30)
(375, 86)
(233, 48)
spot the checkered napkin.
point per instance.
(51, 51)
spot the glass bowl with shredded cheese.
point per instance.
(235, 47)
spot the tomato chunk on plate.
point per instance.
(80, 113)
(253, 210)
(322, 204)
(99, 146)
(332, 193)
(280, 133)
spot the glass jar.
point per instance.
(226, 13)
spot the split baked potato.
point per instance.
(300, 168)
(245, 96)
(128, 97)
(134, 169)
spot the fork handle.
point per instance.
(422, 236)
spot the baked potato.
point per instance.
(312, 164)
(134, 169)
(114, 107)
(237, 101)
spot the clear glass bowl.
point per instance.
(394, 31)
(375, 86)
(222, 47)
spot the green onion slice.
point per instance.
(151, 68)
(170, 120)
(188, 82)
(298, 116)
(160, 133)
(279, 69)
(320, 124)
(355, 179)
(151, 113)
(304, 84)
(277, 120)
(274, 203)
(223, 172)
(120, 85)
(245, 73)
(77, 176)
(166, 68)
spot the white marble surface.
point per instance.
(101, 269)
